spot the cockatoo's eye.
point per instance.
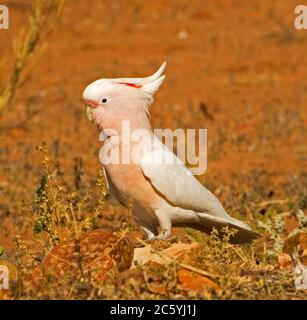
(104, 100)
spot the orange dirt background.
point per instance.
(243, 59)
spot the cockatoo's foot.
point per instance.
(162, 236)
(165, 223)
(149, 233)
(165, 234)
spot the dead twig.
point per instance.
(181, 264)
(266, 203)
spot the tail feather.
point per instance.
(206, 223)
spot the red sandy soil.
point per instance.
(243, 59)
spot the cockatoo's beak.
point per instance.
(90, 106)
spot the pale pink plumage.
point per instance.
(162, 195)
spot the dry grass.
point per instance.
(43, 18)
(61, 212)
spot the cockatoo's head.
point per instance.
(108, 100)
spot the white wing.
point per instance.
(174, 181)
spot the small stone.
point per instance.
(98, 255)
(182, 35)
(189, 280)
(284, 261)
(297, 245)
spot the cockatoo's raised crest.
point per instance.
(147, 84)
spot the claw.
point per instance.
(162, 236)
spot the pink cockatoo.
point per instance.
(162, 194)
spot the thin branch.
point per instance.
(265, 203)
(26, 45)
(181, 264)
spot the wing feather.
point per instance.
(170, 177)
